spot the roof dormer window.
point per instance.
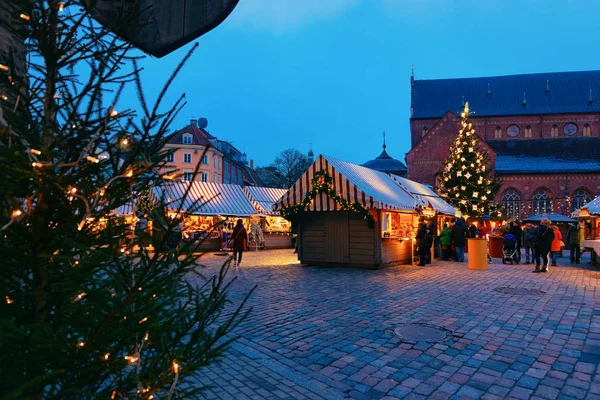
(186, 138)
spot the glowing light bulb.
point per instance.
(106, 356)
(81, 344)
(124, 142)
(92, 159)
(17, 213)
(25, 17)
(114, 113)
(34, 151)
(3, 68)
(9, 300)
(175, 367)
(141, 321)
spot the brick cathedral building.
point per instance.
(541, 131)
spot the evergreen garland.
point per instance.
(322, 182)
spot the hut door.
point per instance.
(336, 237)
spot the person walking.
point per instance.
(575, 235)
(528, 241)
(240, 242)
(516, 230)
(556, 244)
(445, 242)
(459, 238)
(543, 243)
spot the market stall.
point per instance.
(277, 231)
(350, 215)
(208, 211)
(431, 206)
(589, 215)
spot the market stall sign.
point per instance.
(159, 27)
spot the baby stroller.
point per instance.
(509, 249)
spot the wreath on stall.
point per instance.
(323, 183)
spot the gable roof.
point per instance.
(373, 189)
(540, 156)
(593, 206)
(205, 198)
(569, 92)
(199, 136)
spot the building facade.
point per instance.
(189, 148)
(541, 131)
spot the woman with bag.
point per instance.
(556, 245)
(240, 242)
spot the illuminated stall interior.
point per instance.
(277, 231)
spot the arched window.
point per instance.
(498, 133)
(554, 131)
(587, 130)
(424, 131)
(540, 202)
(528, 131)
(512, 203)
(580, 198)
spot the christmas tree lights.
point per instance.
(465, 183)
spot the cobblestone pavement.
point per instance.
(329, 332)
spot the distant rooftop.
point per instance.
(543, 156)
(526, 94)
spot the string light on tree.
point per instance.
(465, 175)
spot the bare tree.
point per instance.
(290, 164)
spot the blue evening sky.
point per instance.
(281, 74)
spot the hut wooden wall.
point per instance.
(337, 237)
(396, 252)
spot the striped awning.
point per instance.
(425, 196)
(372, 189)
(593, 207)
(124, 210)
(206, 198)
(264, 198)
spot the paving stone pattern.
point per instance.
(328, 333)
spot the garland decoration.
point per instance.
(323, 183)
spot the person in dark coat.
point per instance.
(420, 241)
(543, 240)
(575, 236)
(516, 230)
(528, 241)
(459, 238)
(240, 242)
(429, 242)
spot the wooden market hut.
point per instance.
(277, 230)
(353, 216)
(209, 208)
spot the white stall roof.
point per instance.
(206, 198)
(593, 207)
(372, 189)
(263, 198)
(425, 196)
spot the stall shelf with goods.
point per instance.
(208, 212)
(277, 231)
(351, 216)
(431, 207)
(589, 215)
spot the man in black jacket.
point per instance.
(543, 241)
(459, 238)
(420, 239)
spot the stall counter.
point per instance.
(593, 246)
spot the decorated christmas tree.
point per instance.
(86, 312)
(467, 181)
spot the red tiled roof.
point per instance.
(199, 136)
